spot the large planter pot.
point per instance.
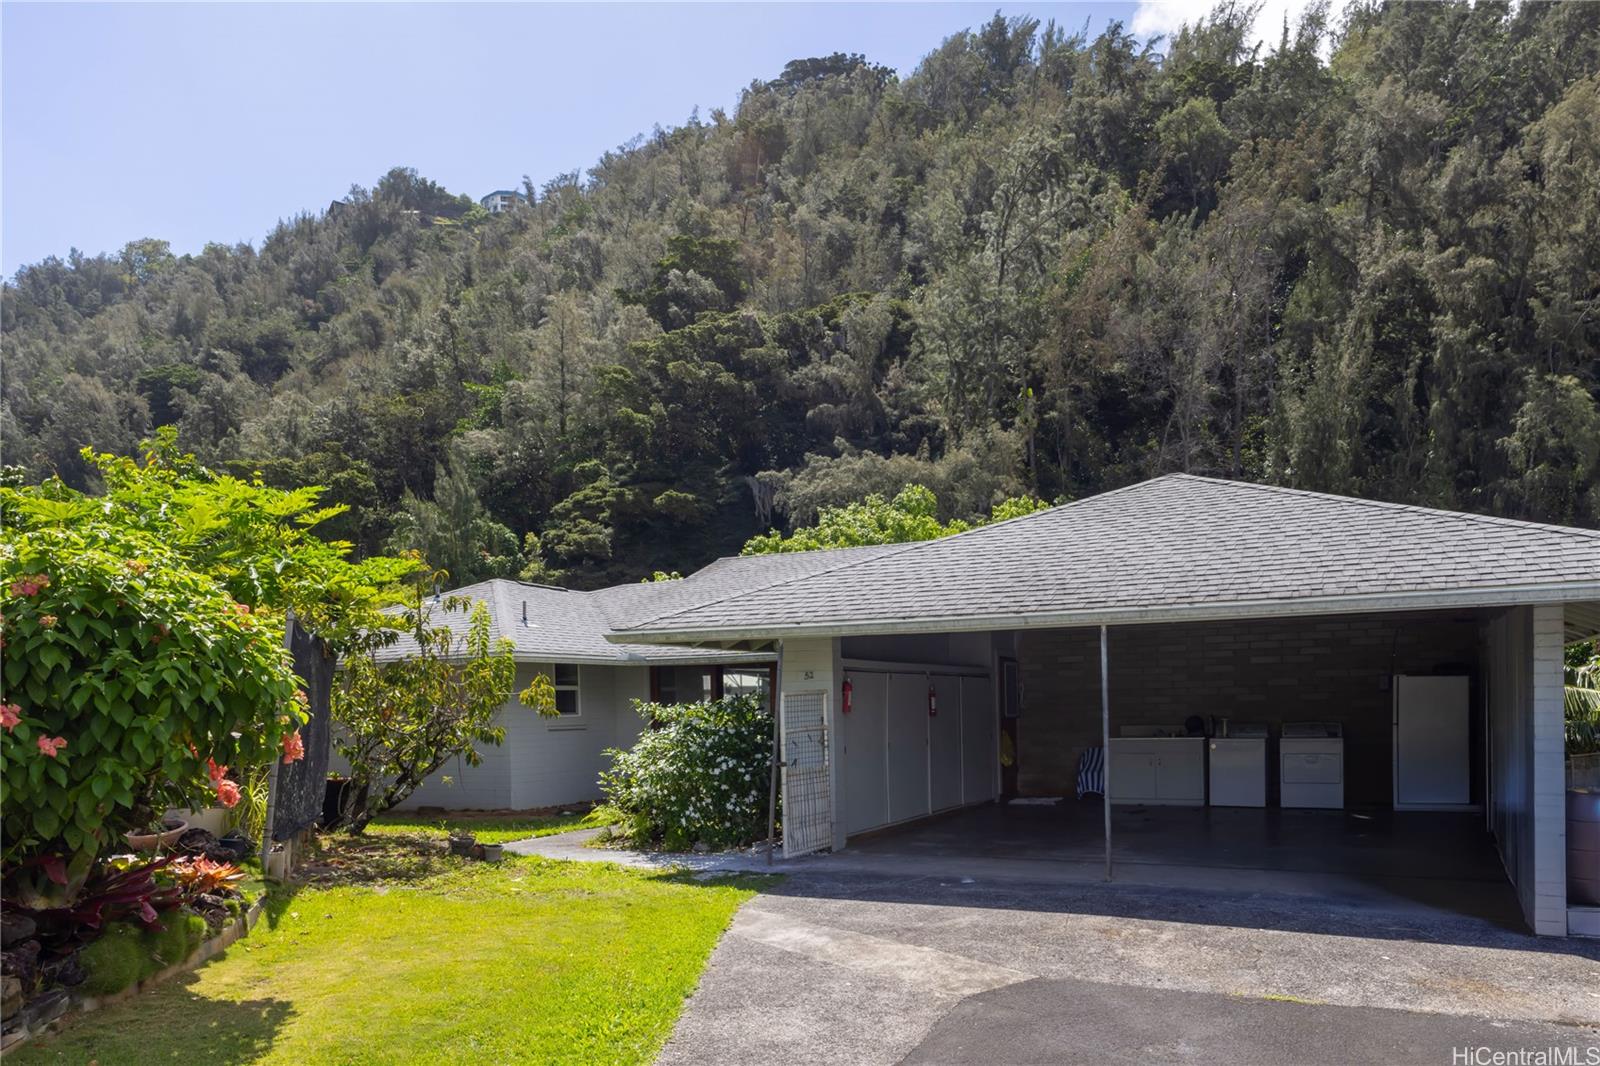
(152, 841)
(1583, 847)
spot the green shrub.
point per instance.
(115, 961)
(169, 945)
(702, 775)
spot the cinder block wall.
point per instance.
(1331, 668)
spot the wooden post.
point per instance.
(1105, 739)
(774, 703)
(272, 774)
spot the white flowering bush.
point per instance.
(702, 775)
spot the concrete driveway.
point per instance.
(845, 967)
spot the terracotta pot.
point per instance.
(1583, 847)
(152, 841)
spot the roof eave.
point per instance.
(1503, 596)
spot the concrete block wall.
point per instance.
(1330, 668)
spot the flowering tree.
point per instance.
(143, 647)
(403, 717)
(130, 683)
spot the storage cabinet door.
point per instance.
(944, 744)
(1133, 774)
(865, 770)
(908, 746)
(1180, 773)
(977, 740)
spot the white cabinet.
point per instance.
(1239, 772)
(1168, 771)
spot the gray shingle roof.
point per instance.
(565, 626)
(1174, 547)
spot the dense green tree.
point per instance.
(1362, 257)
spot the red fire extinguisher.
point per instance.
(848, 689)
(933, 703)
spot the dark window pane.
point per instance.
(567, 700)
(566, 674)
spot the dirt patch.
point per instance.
(338, 858)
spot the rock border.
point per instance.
(237, 930)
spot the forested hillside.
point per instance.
(1038, 264)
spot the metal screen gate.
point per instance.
(807, 812)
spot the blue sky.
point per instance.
(209, 122)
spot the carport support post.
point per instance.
(1105, 739)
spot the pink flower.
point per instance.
(227, 793)
(48, 620)
(30, 584)
(215, 772)
(49, 746)
(10, 715)
(294, 748)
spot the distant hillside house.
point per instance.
(502, 200)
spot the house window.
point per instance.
(566, 682)
(755, 681)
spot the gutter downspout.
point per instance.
(1105, 739)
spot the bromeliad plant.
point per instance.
(199, 876)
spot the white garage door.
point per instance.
(908, 746)
(900, 762)
(866, 782)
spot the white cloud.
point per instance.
(1165, 17)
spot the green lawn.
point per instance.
(524, 961)
(490, 828)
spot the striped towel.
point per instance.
(1092, 772)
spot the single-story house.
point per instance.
(561, 633)
(1260, 678)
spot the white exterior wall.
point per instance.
(1549, 912)
(1527, 813)
(545, 761)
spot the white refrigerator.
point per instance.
(1432, 743)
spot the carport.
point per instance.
(1394, 671)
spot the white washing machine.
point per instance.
(1311, 765)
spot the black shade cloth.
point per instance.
(301, 784)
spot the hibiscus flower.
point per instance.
(50, 745)
(227, 793)
(10, 715)
(294, 748)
